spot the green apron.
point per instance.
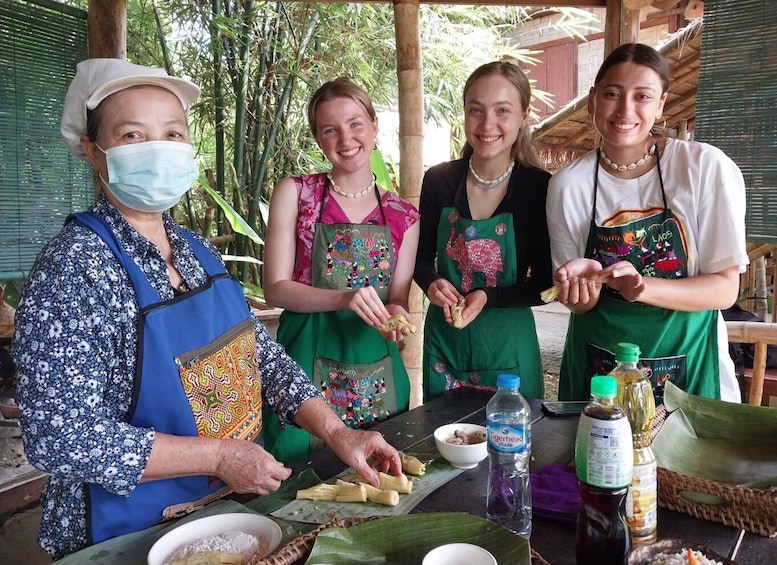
(360, 374)
(677, 346)
(477, 254)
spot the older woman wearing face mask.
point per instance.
(141, 371)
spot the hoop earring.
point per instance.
(589, 122)
(656, 129)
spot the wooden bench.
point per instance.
(758, 381)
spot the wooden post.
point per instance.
(107, 29)
(106, 24)
(411, 163)
(620, 26)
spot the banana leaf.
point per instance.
(718, 441)
(237, 222)
(379, 168)
(406, 539)
(438, 472)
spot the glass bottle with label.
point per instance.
(635, 397)
(604, 462)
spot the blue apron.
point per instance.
(196, 374)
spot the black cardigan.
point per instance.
(525, 199)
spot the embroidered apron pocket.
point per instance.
(223, 385)
(360, 394)
(658, 369)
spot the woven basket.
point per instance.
(740, 507)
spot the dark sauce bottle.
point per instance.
(604, 460)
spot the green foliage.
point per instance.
(258, 63)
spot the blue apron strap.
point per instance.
(146, 293)
(208, 261)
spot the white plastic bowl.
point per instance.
(265, 530)
(461, 456)
(459, 554)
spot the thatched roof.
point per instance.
(565, 135)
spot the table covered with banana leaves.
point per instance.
(449, 505)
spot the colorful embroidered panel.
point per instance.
(224, 387)
(362, 395)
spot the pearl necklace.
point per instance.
(484, 184)
(630, 167)
(339, 190)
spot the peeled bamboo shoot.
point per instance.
(385, 497)
(399, 483)
(347, 492)
(321, 491)
(209, 558)
(411, 464)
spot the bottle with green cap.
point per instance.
(603, 460)
(635, 397)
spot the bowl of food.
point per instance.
(459, 554)
(676, 552)
(462, 445)
(222, 538)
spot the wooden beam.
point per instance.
(567, 3)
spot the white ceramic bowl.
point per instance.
(459, 554)
(461, 456)
(265, 530)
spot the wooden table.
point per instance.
(553, 440)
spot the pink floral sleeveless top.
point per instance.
(399, 214)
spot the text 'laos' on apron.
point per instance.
(681, 347)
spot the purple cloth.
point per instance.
(555, 493)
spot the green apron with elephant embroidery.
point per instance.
(475, 254)
(360, 374)
(676, 346)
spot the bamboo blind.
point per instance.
(737, 98)
(40, 183)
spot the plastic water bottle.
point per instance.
(508, 416)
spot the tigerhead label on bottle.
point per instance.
(508, 438)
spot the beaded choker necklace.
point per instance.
(631, 166)
(484, 184)
(339, 190)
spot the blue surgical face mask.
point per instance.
(150, 176)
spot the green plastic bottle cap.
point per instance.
(604, 386)
(627, 352)
(506, 380)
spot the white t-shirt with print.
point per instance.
(705, 190)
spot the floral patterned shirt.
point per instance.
(75, 352)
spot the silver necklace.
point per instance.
(631, 166)
(484, 184)
(339, 190)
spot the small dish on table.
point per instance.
(463, 445)
(265, 530)
(459, 554)
(647, 554)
